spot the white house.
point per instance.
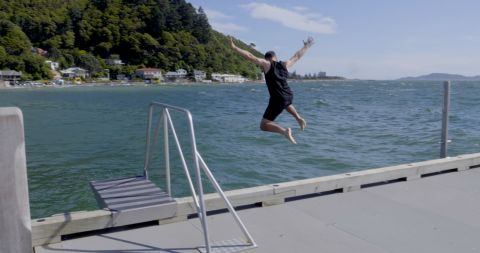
(149, 73)
(121, 77)
(179, 74)
(228, 78)
(199, 75)
(74, 72)
(114, 62)
(53, 65)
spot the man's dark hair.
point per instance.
(269, 55)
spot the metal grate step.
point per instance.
(134, 199)
(228, 246)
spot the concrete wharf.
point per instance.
(431, 212)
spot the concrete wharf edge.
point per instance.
(15, 227)
(50, 229)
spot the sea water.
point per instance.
(78, 134)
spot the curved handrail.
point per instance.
(199, 165)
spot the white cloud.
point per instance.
(213, 14)
(300, 8)
(226, 27)
(297, 18)
(221, 22)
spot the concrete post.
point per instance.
(446, 109)
(15, 223)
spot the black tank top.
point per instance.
(276, 79)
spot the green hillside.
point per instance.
(166, 34)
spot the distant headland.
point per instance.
(441, 77)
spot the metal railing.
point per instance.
(198, 163)
(446, 109)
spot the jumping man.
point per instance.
(281, 96)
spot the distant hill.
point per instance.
(165, 34)
(441, 77)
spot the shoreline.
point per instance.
(143, 84)
(134, 84)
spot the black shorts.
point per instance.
(275, 107)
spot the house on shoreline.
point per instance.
(178, 75)
(181, 75)
(228, 78)
(75, 72)
(10, 75)
(199, 75)
(149, 73)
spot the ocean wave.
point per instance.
(321, 102)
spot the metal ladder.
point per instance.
(136, 199)
(199, 167)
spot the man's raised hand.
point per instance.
(309, 42)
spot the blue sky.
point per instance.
(368, 39)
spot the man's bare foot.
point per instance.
(288, 134)
(302, 123)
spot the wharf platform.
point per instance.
(433, 212)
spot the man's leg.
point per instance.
(300, 120)
(270, 126)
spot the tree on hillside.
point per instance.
(167, 34)
(13, 39)
(202, 27)
(34, 65)
(90, 63)
(15, 52)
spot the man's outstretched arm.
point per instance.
(249, 56)
(306, 45)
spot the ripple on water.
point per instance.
(321, 102)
